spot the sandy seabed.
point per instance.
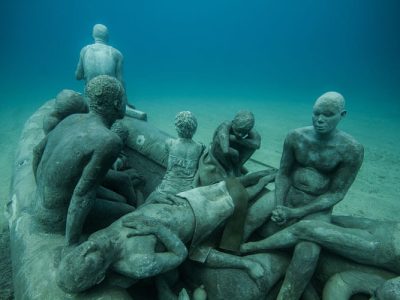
(374, 193)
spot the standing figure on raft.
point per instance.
(183, 158)
(99, 58)
(319, 164)
(102, 59)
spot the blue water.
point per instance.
(214, 57)
(205, 48)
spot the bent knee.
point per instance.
(308, 251)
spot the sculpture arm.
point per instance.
(282, 180)
(119, 68)
(343, 178)
(217, 259)
(150, 264)
(37, 155)
(222, 137)
(84, 195)
(79, 72)
(253, 141)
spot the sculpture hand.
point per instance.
(232, 138)
(249, 247)
(254, 269)
(141, 227)
(183, 295)
(281, 214)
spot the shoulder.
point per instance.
(169, 144)
(224, 126)
(350, 146)
(116, 52)
(299, 134)
(86, 48)
(254, 134)
(108, 141)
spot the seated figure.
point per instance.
(319, 164)
(183, 158)
(134, 249)
(234, 142)
(72, 160)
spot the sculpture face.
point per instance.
(242, 124)
(326, 116)
(90, 262)
(240, 132)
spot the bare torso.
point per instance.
(69, 148)
(316, 163)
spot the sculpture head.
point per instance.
(100, 33)
(185, 124)
(242, 124)
(105, 95)
(69, 102)
(390, 290)
(82, 268)
(328, 110)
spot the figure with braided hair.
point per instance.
(183, 159)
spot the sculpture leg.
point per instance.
(258, 213)
(300, 271)
(121, 183)
(348, 242)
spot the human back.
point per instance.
(54, 191)
(100, 59)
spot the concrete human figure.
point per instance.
(99, 58)
(389, 290)
(226, 276)
(102, 59)
(318, 165)
(344, 285)
(67, 102)
(362, 240)
(73, 159)
(183, 158)
(128, 249)
(234, 142)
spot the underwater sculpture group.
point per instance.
(200, 226)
